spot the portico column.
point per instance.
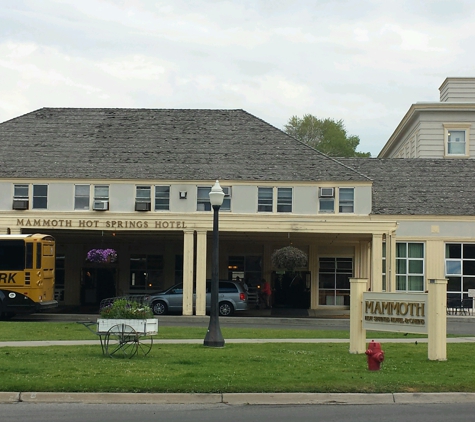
(201, 260)
(188, 249)
(377, 264)
(391, 262)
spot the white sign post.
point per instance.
(423, 313)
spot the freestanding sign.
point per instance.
(423, 313)
(398, 312)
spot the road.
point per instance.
(75, 412)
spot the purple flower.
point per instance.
(101, 255)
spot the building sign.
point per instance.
(399, 312)
(101, 224)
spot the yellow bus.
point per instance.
(27, 264)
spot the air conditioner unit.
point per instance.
(327, 192)
(143, 206)
(20, 204)
(100, 205)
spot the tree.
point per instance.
(328, 136)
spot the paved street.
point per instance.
(456, 325)
(360, 412)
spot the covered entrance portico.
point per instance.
(151, 259)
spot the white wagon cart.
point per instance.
(124, 337)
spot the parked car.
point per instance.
(231, 297)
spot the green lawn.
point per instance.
(276, 367)
(235, 368)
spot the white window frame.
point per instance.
(283, 200)
(21, 196)
(345, 202)
(39, 198)
(263, 203)
(454, 267)
(98, 196)
(203, 203)
(18, 187)
(82, 196)
(408, 272)
(459, 127)
(162, 198)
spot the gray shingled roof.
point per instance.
(419, 186)
(158, 144)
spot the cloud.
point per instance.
(364, 62)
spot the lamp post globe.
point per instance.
(214, 338)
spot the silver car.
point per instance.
(231, 297)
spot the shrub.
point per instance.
(126, 309)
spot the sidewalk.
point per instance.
(44, 343)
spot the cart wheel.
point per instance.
(121, 341)
(145, 343)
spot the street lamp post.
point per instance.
(214, 338)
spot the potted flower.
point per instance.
(129, 312)
(289, 258)
(102, 255)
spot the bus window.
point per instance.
(29, 255)
(12, 255)
(38, 255)
(48, 250)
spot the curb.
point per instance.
(239, 398)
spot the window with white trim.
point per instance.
(101, 198)
(143, 193)
(284, 199)
(346, 200)
(326, 200)
(203, 203)
(265, 199)
(273, 199)
(20, 191)
(21, 194)
(459, 269)
(101, 193)
(410, 267)
(40, 197)
(162, 198)
(457, 139)
(143, 198)
(81, 197)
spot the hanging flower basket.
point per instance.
(102, 255)
(288, 258)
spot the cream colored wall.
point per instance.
(122, 197)
(6, 196)
(427, 128)
(448, 228)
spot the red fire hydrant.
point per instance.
(375, 356)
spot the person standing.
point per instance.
(266, 293)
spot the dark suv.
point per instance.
(231, 297)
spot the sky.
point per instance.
(362, 61)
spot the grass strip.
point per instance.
(235, 368)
